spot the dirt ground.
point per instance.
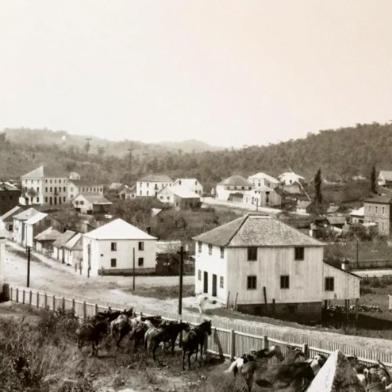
(122, 369)
(115, 291)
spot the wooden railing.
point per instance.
(230, 338)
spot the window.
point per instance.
(140, 261)
(221, 282)
(299, 253)
(252, 253)
(284, 282)
(64, 199)
(329, 283)
(46, 189)
(198, 274)
(113, 246)
(141, 245)
(222, 252)
(209, 249)
(251, 282)
(46, 199)
(113, 263)
(199, 246)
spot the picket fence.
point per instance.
(231, 338)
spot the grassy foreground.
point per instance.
(38, 353)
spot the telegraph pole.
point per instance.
(133, 270)
(28, 265)
(181, 279)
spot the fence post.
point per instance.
(84, 310)
(265, 342)
(305, 350)
(30, 298)
(24, 296)
(232, 341)
(73, 305)
(63, 304)
(17, 295)
(46, 300)
(37, 299)
(11, 293)
(96, 309)
(54, 303)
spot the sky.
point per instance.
(230, 73)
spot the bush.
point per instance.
(366, 290)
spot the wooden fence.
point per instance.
(231, 338)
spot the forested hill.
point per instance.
(340, 153)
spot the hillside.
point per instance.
(339, 153)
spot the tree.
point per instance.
(317, 187)
(373, 180)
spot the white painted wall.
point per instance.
(346, 286)
(101, 254)
(150, 189)
(213, 264)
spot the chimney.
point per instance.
(148, 229)
(345, 265)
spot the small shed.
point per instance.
(91, 204)
(44, 240)
(58, 245)
(73, 252)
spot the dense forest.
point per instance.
(340, 154)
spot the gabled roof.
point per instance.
(8, 216)
(75, 243)
(256, 230)
(118, 229)
(94, 198)
(43, 171)
(185, 193)
(50, 234)
(380, 199)
(26, 214)
(385, 174)
(156, 178)
(358, 212)
(63, 238)
(36, 218)
(263, 176)
(235, 181)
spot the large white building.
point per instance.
(109, 250)
(45, 185)
(266, 266)
(233, 188)
(189, 184)
(150, 185)
(261, 180)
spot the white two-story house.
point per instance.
(264, 266)
(150, 185)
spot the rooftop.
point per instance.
(386, 174)
(380, 199)
(63, 238)
(50, 234)
(156, 178)
(184, 193)
(118, 229)
(7, 186)
(235, 180)
(43, 171)
(26, 214)
(8, 216)
(36, 218)
(86, 182)
(75, 243)
(256, 230)
(265, 176)
(94, 198)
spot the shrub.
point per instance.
(366, 290)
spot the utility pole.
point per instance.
(133, 270)
(28, 265)
(357, 256)
(181, 278)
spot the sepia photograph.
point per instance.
(195, 195)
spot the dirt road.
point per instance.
(111, 291)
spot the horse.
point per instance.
(295, 375)
(194, 339)
(166, 333)
(253, 361)
(138, 331)
(92, 332)
(120, 325)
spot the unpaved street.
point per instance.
(57, 279)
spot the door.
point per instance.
(214, 283)
(205, 280)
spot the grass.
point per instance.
(163, 292)
(38, 353)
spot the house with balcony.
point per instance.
(150, 185)
(267, 267)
